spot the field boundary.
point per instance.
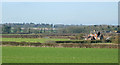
(71, 45)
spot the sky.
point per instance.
(60, 0)
(60, 12)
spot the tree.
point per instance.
(6, 29)
(29, 31)
(116, 40)
(51, 26)
(14, 30)
(44, 30)
(80, 36)
(41, 30)
(19, 30)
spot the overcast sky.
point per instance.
(60, 12)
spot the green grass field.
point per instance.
(58, 55)
(41, 40)
(28, 34)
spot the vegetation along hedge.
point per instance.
(73, 45)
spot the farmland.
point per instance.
(29, 48)
(59, 32)
(41, 40)
(57, 48)
(58, 55)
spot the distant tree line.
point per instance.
(29, 28)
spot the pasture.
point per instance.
(50, 40)
(41, 40)
(58, 55)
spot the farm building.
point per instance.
(94, 36)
